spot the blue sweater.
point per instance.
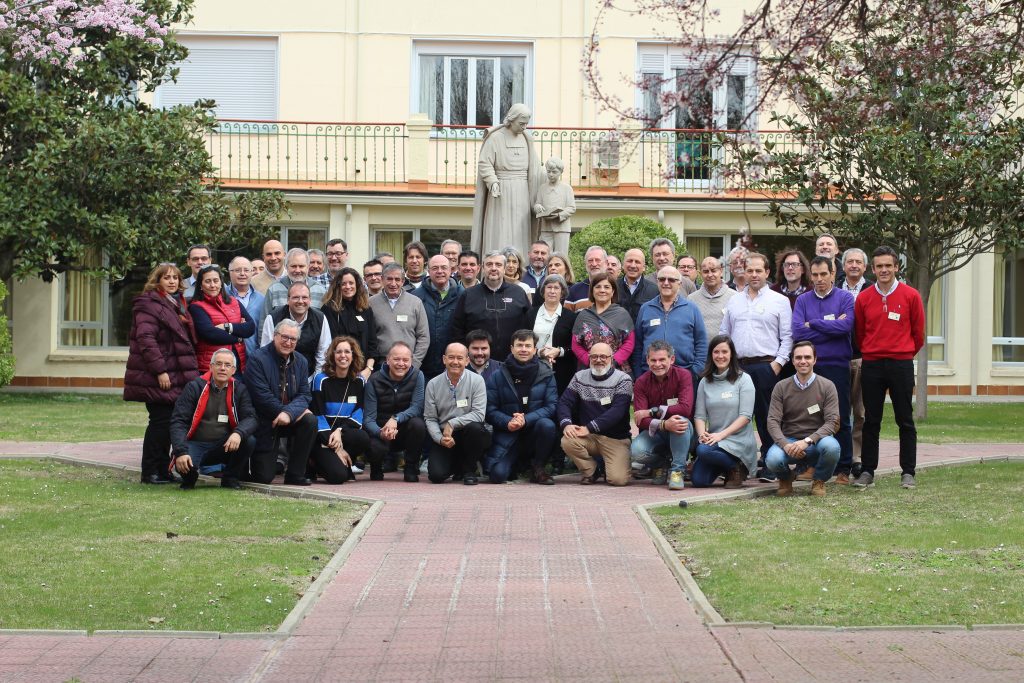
(682, 326)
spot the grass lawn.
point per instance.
(88, 548)
(949, 552)
(964, 423)
(70, 417)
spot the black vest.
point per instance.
(392, 398)
(309, 336)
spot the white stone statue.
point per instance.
(508, 174)
(554, 205)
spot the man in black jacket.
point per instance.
(276, 376)
(497, 306)
(213, 423)
(634, 289)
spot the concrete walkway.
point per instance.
(512, 582)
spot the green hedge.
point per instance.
(6, 357)
(617, 235)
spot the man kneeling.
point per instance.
(454, 409)
(802, 418)
(213, 423)
(593, 414)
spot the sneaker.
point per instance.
(675, 481)
(643, 473)
(659, 477)
(650, 459)
(356, 469)
(818, 488)
(469, 480)
(856, 470)
(785, 488)
(806, 475)
(865, 480)
(766, 476)
(907, 481)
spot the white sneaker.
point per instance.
(356, 469)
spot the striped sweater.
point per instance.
(601, 404)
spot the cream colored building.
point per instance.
(368, 115)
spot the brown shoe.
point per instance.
(737, 475)
(843, 478)
(806, 475)
(785, 488)
(540, 476)
(818, 488)
(587, 481)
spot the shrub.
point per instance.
(617, 235)
(6, 357)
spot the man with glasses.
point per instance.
(373, 276)
(451, 249)
(712, 296)
(198, 258)
(315, 333)
(278, 381)
(496, 306)
(213, 424)
(596, 261)
(337, 256)
(672, 318)
(593, 414)
(795, 276)
(240, 274)
(688, 268)
(399, 316)
(439, 295)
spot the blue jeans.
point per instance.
(712, 462)
(823, 456)
(677, 445)
(206, 455)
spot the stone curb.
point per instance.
(997, 627)
(40, 632)
(905, 627)
(143, 633)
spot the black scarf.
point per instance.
(523, 374)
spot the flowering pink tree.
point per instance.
(54, 30)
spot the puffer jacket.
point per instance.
(161, 340)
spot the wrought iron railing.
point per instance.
(307, 152)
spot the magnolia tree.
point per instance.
(903, 118)
(85, 164)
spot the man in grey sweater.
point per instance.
(454, 407)
(399, 316)
(712, 296)
(802, 420)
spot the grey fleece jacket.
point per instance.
(468, 405)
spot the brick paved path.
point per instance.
(513, 582)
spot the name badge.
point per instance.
(222, 418)
(507, 299)
(726, 394)
(894, 316)
(830, 316)
(352, 399)
(813, 409)
(360, 318)
(526, 399)
(655, 322)
(606, 401)
(402, 318)
(672, 402)
(462, 403)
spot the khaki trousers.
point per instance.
(614, 451)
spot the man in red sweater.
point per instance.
(889, 324)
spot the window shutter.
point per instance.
(242, 80)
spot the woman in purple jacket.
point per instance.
(161, 361)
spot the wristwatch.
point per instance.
(809, 440)
(655, 411)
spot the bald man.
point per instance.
(273, 258)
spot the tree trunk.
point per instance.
(923, 284)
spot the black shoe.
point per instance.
(766, 476)
(469, 480)
(412, 474)
(376, 472)
(188, 481)
(155, 479)
(297, 481)
(230, 483)
(856, 470)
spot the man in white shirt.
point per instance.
(760, 324)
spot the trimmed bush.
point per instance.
(6, 357)
(617, 235)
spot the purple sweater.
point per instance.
(599, 404)
(828, 329)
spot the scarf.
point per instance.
(523, 374)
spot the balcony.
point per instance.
(418, 156)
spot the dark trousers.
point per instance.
(206, 453)
(896, 377)
(840, 376)
(712, 462)
(411, 434)
(471, 442)
(156, 444)
(764, 379)
(538, 440)
(325, 463)
(301, 435)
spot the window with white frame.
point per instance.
(97, 312)
(239, 73)
(1008, 307)
(470, 84)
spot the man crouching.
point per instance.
(213, 423)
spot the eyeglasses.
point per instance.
(668, 279)
(288, 340)
(599, 356)
(791, 265)
(367, 276)
(223, 364)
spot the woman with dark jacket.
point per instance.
(221, 322)
(553, 323)
(347, 309)
(161, 361)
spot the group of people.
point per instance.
(502, 366)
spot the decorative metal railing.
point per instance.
(309, 152)
(367, 154)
